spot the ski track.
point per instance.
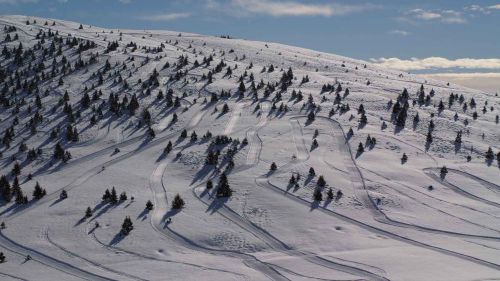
(48, 260)
(253, 136)
(298, 139)
(432, 173)
(367, 201)
(159, 225)
(61, 265)
(45, 232)
(152, 258)
(235, 115)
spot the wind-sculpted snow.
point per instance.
(337, 169)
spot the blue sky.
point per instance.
(463, 35)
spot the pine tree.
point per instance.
(127, 226)
(149, 205)
(321, 182)
(63, 195)
(39, 192)
(317, 195)
(106, 196)
(16, 170)
(2, 257)
(273, 167)
(489, 154)
(444, 171)
(312, 173)
(178, 202)
(330, 194)
(224, 190)
(88, 212)
(123, 196)
(210, 184)
(114, 197)
(168, 148)
(361, 149)
(404, 158)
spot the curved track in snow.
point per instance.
(159, 225)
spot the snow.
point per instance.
(387, 225)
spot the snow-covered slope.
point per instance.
(74, 87)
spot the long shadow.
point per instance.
(167, 217)
(103, 210)
(327, 202)
(117, 239)
(56, 202)
(216, 204)
(308, 179)
(143, 215)
(314, 205)
(201, 174)
(80, 221)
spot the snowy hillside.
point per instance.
(289, 164)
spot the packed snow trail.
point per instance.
(375, 229)
(361, 192)
(235, 115)
(433, 174)
(298, 138)
(93, 263)
(116, 249)
(376, 214)
(98, 169)
(253, 138)
(274, 243)
(48, 260)
(158, 224)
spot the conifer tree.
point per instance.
(88, 213)
(321, 182)
(178, 202)
(317, 195)
(273, 167)
(361, 149)
(224, 190)
(210, 184)
(489, 154)
(114, 197)
(149, 205)
(39, 192)
(127, 226)
(330, 194)
(312, 173)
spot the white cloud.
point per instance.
(399, 32)
(437, 63)
(125, 1)
(495, 7)
(466, 75)
(284, 8)
(165, 17)
(477, 9)
(446, 16)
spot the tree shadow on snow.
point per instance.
(314, 205)
(216, 204)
